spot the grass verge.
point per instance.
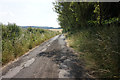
(101, 50)
(16, 41)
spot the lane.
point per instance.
(52, 59)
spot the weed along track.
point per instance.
(52, 59)
(16, 40)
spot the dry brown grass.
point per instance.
(59, 30)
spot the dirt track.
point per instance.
(52, 59)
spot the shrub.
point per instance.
(16, 41)
(101, 48)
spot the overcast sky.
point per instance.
(28, 12)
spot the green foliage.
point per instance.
(11, 31)
(94, 30)
(29, 29)
(101, 50)
(112, 21)
(74, 16)
(16, 41)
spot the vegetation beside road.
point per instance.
(93, 30)
(16, 40)
(99, 49)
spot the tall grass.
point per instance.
(16, 41)
(101, 50)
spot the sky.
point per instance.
(28, 12)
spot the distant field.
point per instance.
(60, 30)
